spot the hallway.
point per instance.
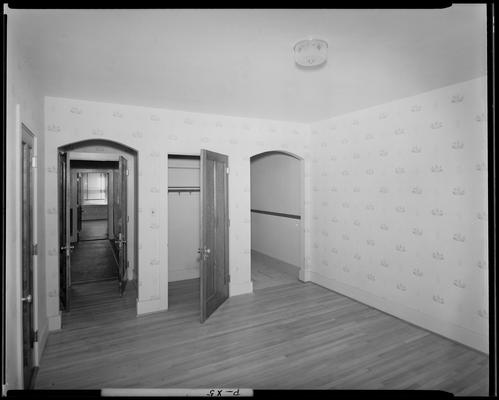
(93, 260)
(268, 272)
(93, 229)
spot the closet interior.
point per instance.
(183, 217)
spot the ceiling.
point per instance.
(240, 62)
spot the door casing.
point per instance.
(28, 294)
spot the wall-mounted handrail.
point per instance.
(277, 214)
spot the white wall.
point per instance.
(24, 105)
(275, 183)
(275, 186)
(277, 237)
(400, 209)
(183, 220)
(155, 133)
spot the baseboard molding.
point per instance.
(277, 264)
(304, 275)
(182, 274)
(237, 288)
(55, 322)
(451, 331)
(43, 334)
(149, 306)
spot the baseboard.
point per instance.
(237, 288)
(43, 334)
(277, 264)
(149, 306)
(55, 322)
(182, 274)
(451, 331)
(304, 275)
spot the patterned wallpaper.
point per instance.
(395, 198)
(399, 210)
(154, 133)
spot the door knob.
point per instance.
(28, 298)
(204, 252)
(71, 247)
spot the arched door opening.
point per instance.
(276, 219)
(98, 266)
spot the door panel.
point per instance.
(79, 210)
(214, 232)
(73, 212)
(27, 258)
(64, 238)
(115, 211)
(121, 222)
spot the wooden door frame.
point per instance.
(165, 187)
(27, 136)
(75, 148)
(107, 171)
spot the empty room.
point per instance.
(248, 198)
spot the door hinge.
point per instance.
(128, 218)
(35, 336)
(228, 170)
(126, 172)
(35, 249)
(33, 162)
(227, 278)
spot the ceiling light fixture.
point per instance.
(310, 52)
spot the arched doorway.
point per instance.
(277, 210)
(98, 227)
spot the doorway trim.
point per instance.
(303, 274)
(28, 136)
(75, 148)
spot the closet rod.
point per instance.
(171, 167)
(183, 190)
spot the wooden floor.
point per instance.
(267, 272)
(93, 229)
(93, 260)
(293, 336)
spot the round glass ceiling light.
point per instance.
(310, 52)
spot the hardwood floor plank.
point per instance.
(292, 336)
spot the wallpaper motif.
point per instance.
(154, 133)
(399, 202)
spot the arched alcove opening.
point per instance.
(98, 227)
(277, 209)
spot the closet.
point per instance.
(183, 217)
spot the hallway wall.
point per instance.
(154, 133)
(399, 216)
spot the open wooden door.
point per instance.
(79, 209)
(120, 221)
(64, 229)
(214, 232)
(27, 257)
